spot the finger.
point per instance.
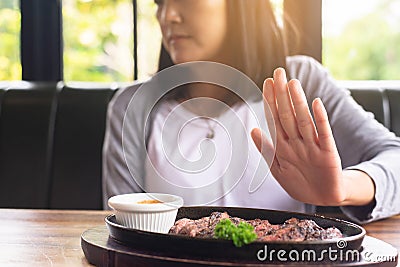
(285, 106)
(271, 110)
(305, 123)
(263, 145)
(324, 131)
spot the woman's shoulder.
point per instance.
(305, 68)
(301, 63)
(139, 99)
(123, 95)
(300, 59)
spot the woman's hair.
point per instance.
(257, 41)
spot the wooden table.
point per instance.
(52, 237)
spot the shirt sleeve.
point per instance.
(117, 177)
(363, 143)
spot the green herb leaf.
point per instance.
(240, 235)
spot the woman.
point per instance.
(347, 161)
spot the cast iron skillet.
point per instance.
(215, 249)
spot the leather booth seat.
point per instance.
(51, 137)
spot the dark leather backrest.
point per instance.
(394, 104)
(3, 87)
(78, 141)
(26, 125)
(375, 101)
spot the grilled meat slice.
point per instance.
(203, 227)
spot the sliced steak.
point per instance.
(291, 230)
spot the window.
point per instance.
(149, 39)
(103, 51)
(361, 39)
(10, 27)
(98, 40)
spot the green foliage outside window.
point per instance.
(10, 24)
(98, 40)
(149, 39)
(368, 48)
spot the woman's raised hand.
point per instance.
(306, 161)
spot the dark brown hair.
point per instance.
(255, 37)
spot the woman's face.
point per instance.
(194, 30)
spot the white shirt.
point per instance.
(217, 171)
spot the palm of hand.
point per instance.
(308, 173)
(306, 162)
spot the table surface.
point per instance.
(52, 237)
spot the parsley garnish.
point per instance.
(240, 235)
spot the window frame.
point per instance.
(41, 40)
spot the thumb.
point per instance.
(263, 145)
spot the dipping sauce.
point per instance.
(149, 201)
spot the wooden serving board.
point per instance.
(102, 250)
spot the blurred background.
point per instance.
(360, 39)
